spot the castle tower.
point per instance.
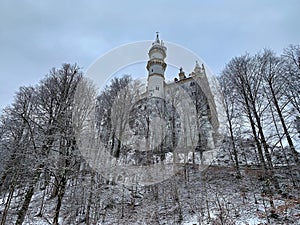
(156, 67)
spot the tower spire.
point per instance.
(157, 37)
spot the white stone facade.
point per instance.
(190, 95)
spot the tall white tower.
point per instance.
(156, 68)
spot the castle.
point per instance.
(186, 107)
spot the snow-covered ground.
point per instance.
(211, 197)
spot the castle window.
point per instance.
(192, 83)
(157, 88)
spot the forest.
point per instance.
(255, 178)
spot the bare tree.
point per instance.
(275, 85)
(246, 73)
(291, 60)
(231, 109)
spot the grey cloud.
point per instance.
(37, 35)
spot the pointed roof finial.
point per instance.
(197, 68)
(157, 37)
(181, 73)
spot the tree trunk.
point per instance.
(263, 139)
(282, 148)
(60, 196)
(89, 203)
(270, 171)
(30, 191)
(5, 211)
(286, 132)
(22, 212)
(258, 145)
(40, 213)
(237, 166)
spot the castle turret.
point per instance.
(181, 74)
(156, 67)
(198, 70)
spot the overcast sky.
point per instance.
(38, 35)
